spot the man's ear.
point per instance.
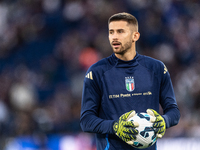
(136, 36)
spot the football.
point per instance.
(146, 136)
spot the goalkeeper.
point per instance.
(117, 87)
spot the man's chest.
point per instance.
(126, 81)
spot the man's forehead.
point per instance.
(118, 24)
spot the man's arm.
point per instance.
(168, 100)
(91, 101)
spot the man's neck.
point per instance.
(129, 55)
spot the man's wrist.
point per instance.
(166, 120)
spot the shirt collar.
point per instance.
(124, 64)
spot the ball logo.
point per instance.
(130, 84)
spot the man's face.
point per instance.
(120, 36)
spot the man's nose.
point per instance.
(115, 36)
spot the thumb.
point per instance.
(151, 112)
(131, 115)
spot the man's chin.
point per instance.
(117, 50)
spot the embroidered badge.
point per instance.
(130, 84)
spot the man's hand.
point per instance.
(158, 122)
(124, 129)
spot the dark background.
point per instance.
(46, 46)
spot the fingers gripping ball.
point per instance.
(125, 130)
(159, 122)
(147, 134)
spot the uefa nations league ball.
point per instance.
(146, 133)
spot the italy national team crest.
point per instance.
(130, 84)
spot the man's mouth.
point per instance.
(116, 44)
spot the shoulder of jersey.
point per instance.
(152, 63)
(98, 68)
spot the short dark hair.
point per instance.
(124, 16)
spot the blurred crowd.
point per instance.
(46, 46)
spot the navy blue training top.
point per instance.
(113, 87)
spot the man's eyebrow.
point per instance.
(115, 29)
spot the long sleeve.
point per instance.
(91, 101)
(168, 100)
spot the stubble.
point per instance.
(124, 48)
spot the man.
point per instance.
(125, 83)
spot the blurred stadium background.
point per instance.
(46, 46)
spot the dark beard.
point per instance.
(124, 48)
